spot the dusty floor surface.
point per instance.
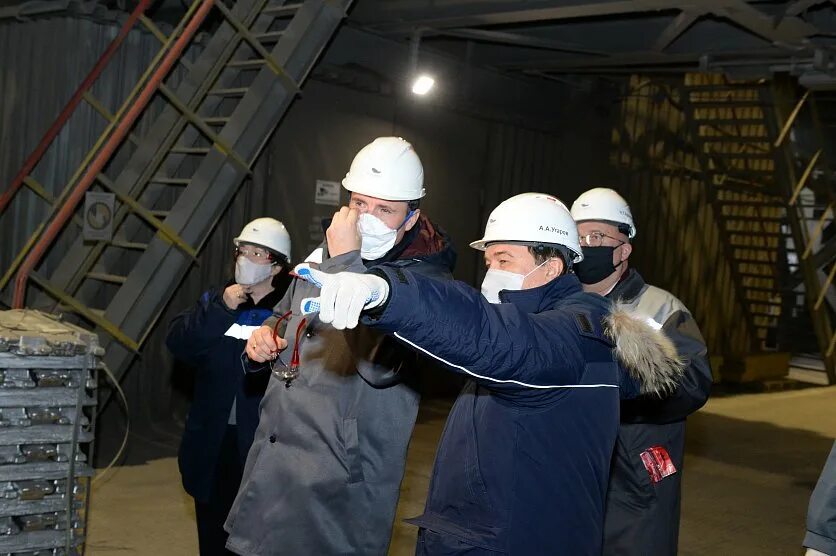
(751, 464)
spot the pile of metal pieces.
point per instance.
(47, 405)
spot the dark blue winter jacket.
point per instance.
(198, 337)
(523, 462)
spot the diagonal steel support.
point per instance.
(802, 181)
(204, 128)
(274, 66)
(801, 6)
(674, 30)
(824, 256)
(86, 312)
(147, 215)
(824, 288)
(785, 130)
(817, 231)
(96, 105)
(786, 30)
(153, 29)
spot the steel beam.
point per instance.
(647, 59)
(801, 6)
(679, 25)
(786, 30)
(515, 39)
(475, 16)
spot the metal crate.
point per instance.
(47, 408)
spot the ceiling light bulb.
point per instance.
(422, 84)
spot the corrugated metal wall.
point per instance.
(677, 245)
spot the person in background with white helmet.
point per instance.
(323, 476)
(224, 414)
(644, 493)
(522, 465)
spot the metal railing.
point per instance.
(118, 128)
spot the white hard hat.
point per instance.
(268, 233)
(603, 203)
(387, 168)
(532, 218)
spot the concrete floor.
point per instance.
(752, 461)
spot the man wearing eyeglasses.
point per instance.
(324, 473)
(643, 499)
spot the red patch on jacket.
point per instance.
(427, 242)
(658, 463)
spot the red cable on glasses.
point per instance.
(276, 328)
(293, 369)
(294, 359)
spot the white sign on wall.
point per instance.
(327, 193)
(98, 216)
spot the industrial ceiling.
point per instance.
(554, 38)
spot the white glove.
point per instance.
(343, 296)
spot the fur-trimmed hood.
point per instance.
(645, 351)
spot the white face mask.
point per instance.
(376, 237)
(248, 273)
(498, 280)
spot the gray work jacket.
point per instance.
(324, 471)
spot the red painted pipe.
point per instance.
(119, 134)
(68, 110)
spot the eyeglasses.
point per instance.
(596, 239)
(255, 254)
(278, 367)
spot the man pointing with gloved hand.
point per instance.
(345, 297)
(523, 462)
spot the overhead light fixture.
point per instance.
(422, 84)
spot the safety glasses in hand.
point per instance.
(278, 367)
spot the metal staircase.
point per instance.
(728, 124)
(806, 143)
(184, 171)
(764, 212)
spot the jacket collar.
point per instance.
(537, 300)
(628, 288)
